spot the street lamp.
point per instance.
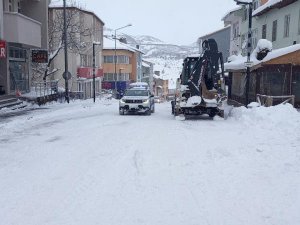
(94, 65)
(250, 6)
(115, 58)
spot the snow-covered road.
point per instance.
(84, 164)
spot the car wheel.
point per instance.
(121, 112)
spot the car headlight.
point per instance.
(122, 101)
(146, 101)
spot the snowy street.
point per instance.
(85, 164)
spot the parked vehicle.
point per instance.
(137, 100)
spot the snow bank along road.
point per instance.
(84, 164)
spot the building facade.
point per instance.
(23, 27)
(87, 29)
(276, 21)
(126, 69)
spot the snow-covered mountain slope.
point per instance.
(167, 57)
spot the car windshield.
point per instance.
(136, 93)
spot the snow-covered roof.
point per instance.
(231, 11)
(109, 44)
(214, 32)
(145, 65)
(270, 5)
(60, 6)
(238, 63)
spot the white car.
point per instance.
(137, 100)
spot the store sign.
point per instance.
(39, 56)
(2, 49)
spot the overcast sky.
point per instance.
(172, 21)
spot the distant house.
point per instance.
(126, 69)
(161, 86)
(222, 37)
(147, 73)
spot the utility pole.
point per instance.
(249, 45)
(94, 67)
(66, 74)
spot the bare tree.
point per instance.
(78, 36)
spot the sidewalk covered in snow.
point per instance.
(277, 74)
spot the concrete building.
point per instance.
(278, 73)
(23, 26)
(277, 21)
(128, 65)
(88, 29)
(222, 37)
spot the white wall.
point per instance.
(1, 19)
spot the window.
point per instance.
(255, 4)
(123, 59)
(254, 38)
(108, 59)
(235, 30)
(274, 30)
(245, 14)
(10, 6)
(264, 31)
(19, 6)
(287, 20)
(108, 77)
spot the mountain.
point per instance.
(167, 57)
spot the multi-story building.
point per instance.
(128, 66)
(87, 29)
(23, 26)
(276, 21)
(222, 37)
(278, 72)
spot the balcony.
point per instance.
(22, 29)
(87, 72)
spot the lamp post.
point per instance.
(115, 57)
(94, 66)
(250, 7)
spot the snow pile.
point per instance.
(283, 116)
(262, 49)
(267, 5)
(239, 62)
(193, 101)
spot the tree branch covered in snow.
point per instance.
(78, 35)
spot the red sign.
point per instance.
(39, 56)
(2, 49)
(87, 72)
